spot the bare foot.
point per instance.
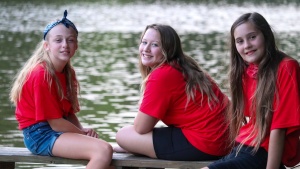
(119, 149)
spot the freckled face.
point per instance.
(150, 48)
(249, 42)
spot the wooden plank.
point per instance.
(129, 160)
(7, 165)
(18, 154)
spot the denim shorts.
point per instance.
(39, 138)
(171, 144)
(245, 159)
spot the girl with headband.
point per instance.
(45, 94)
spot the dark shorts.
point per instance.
(39, 138)
(170, 144)
(244, 160)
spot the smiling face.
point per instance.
(61, 44)
(249, 42)
(151, 49)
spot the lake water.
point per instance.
(106, 63)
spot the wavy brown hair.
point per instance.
(196, 78)
(263, 99)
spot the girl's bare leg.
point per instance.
(77, 146)
(119, 149)
(131, 141)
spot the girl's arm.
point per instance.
(143, 123)
(63, 125)
(276, 146)
(74, 120)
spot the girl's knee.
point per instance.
(107, 154)
(101, 147)
(123, 133)
(103, 152)
(106, 148)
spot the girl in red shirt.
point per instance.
(177, 92)
(45, 94)
(265, 91)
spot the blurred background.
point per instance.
(106, 62)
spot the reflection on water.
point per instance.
(107, 57)
(132, 17)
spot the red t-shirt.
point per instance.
(286, 112)
(40, 102)
(165, 99)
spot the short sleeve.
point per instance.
(46, 101)
(157, 96)
(287, 109)
(164, 92)
(287, 106)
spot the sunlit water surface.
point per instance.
(106, 63)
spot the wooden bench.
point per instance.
(11, 155)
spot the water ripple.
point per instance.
(99, 17)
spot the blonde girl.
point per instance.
(45, 94)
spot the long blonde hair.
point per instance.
(41, 56)
(196, 78)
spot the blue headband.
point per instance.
(64, 21)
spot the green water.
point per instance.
(106, 63)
